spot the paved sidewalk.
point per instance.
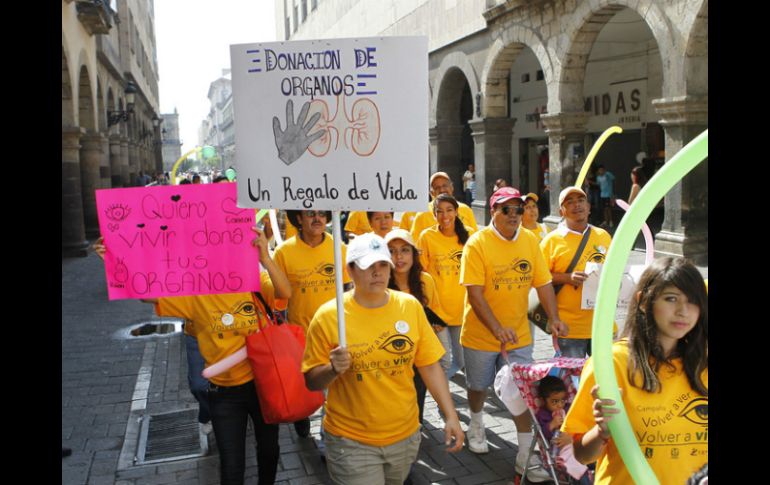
(109, 381)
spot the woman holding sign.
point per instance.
(661, 363)
(221, 323)
(371, 426)
(441, 247)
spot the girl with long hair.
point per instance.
(441, 247)
(638, 179)
(661, 363)
(409, 277)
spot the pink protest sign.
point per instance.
(177, 240)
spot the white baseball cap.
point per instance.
(368, 249)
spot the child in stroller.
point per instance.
(550, 416)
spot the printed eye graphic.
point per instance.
(596, 258)
(117, 212)
(398, 344)
(697, 411)
(245, 308)
(522, 267)
(326, 270)
(456, 256)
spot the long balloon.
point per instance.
(225, 364)
(609, 287)
(594, 150)
(649, 243)
(276, 229)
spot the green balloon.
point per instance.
(230, 174)
(609, 288)
(208, 151)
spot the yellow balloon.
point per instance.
(594, 150)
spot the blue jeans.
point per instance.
(230, 409)
(575, 347)
(199, 385)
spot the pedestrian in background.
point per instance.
(606, 182)
(638, 179)
(469, 183)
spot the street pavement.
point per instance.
(109, 381)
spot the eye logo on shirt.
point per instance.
(522, 266)
(456, 256)
(245, 308)
(697, 411)
(325, 269)
(596, 257)
(398, 344)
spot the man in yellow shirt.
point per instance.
(559, 248)
(371, 426)
(307, 259)
(499, 265)
(440, 183)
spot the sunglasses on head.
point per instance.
(516, 209)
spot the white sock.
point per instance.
(525, 441)
(477, 417)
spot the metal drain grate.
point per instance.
(170, 436)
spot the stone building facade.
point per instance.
(108, 48)
(172, 145)
(510, 79)
(218, 129)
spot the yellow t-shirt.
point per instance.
(358, 223)
(290, 231)
(424, 220)
(221, 324)
(507, 270)
(559, 248)
(431, 293)
(440, 256)
(311, 274)
(540, 232)
(671, 426)
(374, 402)
(406, 221)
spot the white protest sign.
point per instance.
(591, 286)
(337, 124)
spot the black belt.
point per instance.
(215, 388)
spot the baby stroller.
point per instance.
(526, 378)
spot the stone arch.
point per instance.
(581, 32)
(696, 60)
(501, 57)
(86, 117)
(101, 112)
(446, 83)
(68, 102)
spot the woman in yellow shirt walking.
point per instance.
(441, 248)
(662, 368)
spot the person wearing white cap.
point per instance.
(559, 249)
(499, 265)
(372, 433)
(440, 183)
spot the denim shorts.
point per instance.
(482, 366)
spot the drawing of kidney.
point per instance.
(320, 147)
(364, 127)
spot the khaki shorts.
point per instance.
(352, 463)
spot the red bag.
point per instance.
(275, 354)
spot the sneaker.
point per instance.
(206, 428)
(535, 475)
(477, 439)
(302, 427)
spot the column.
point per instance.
(115, 169)
(73, 235)
(685, 222)
(105, 170)
(125, 169)
(492, 156)
(90, 179)
(133, 162)
(565, 140)
(433, 153)
(449, 153)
